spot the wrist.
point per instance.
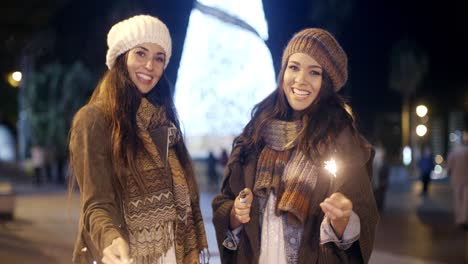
(339, 226)
(233, 221)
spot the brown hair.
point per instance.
(119, 99)
(322, 121)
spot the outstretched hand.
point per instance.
(338, 209)
(117, 252)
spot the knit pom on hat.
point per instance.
(139, 29)
(323, 47)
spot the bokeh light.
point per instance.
(421, 130)
(421, 110)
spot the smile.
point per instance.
(300, 93)
(144, 77)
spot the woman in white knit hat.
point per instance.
(139, 198)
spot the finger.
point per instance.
(337, 195)
(334, 212)
(340, 197)
(113, 252)
(110, 260)
(243, 219)
(123, 252)
(242, 212)
(339, 201)
(342, 205)
(105, 260)
(325, 210)
(239, 205)
(242, 215)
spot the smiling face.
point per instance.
(145, 64)
(302, 81)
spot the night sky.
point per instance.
(367, 34)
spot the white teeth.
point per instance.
(144, 76)
(300, 92)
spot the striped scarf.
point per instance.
(285, 170)
(167, 213)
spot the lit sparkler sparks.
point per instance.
(330, 166)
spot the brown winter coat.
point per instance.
(101, 219)
(353, 181)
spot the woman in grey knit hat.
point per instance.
(297, 186)
(139, 198)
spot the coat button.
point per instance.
(293, 240)
(84, 249)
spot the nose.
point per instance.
(149, 65)
(300, 77)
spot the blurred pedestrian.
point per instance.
(458, 169)
(139, 197)
(381, 174)
(38, 159)
(211, 163)
(223, 160)
(426, 165)
(278, 202)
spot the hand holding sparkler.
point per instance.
(336, 207)
(240, 213)
(338, 210)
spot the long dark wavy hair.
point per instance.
(118, 97)
(322, 121)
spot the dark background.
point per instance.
(66, 31)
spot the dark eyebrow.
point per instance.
(310, 66)
(141, 47)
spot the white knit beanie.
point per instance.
(139, 29)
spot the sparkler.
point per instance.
(330, 166)
(243, 197)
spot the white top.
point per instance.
(272, 248)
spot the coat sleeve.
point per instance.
(234, 181)
(222, 205)
(355, 183)
(92, 167)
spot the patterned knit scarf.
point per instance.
(285, 170)
(167, 213)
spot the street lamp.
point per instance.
(14, 78)
(421, 130)
(421, 110)
(17, 76)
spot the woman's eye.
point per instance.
(293, 67)
(315, 73)
(160, 59)
(140, 53)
